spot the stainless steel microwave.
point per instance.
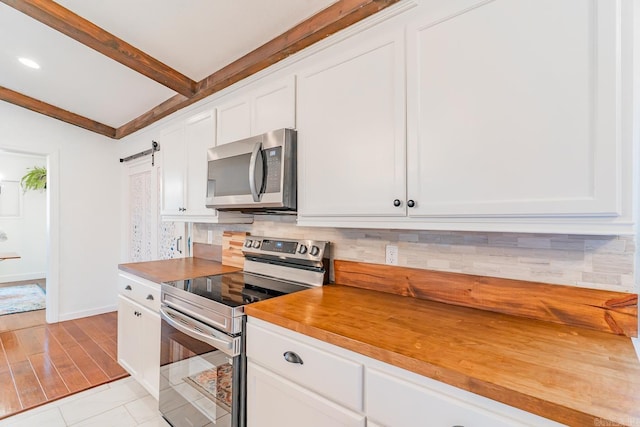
(254, 175)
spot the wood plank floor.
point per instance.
(45, 362)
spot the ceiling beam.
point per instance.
(32, 104)
(334, 18)
(65, 21)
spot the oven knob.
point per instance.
(247, 243)
(256, 244)
(302, 249)
(314, 250)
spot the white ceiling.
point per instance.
(195, 37)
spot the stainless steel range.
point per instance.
(203, 364)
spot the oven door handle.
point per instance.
(200, 331)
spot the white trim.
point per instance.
(53, 240)
(501, 225)
(22, 277)
(86, 313)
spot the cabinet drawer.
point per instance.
(140, 290)
(334, 377)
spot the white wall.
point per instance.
(27, 233)
(84, 204)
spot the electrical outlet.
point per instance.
(391, 252)
(209, 236)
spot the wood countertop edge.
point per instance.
(184, 268)
(532, 404)
(139, 273)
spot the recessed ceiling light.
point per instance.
(29, 63)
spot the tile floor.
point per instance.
(122, 403)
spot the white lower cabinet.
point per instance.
(336, 387)
(273, 401)
(139, 331)
(292, 384)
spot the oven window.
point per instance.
(196, 381)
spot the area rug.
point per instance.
(18, 299)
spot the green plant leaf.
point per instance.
(34, 179)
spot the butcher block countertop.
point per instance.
(176, 269)
(572, 375)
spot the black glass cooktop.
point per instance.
(236, 289)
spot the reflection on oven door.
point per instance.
(196, 387)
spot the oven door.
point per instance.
(201, 373)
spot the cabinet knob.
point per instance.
(127, 288)
(411, 203)
(150, 297)
(292, 357)
(397, 203)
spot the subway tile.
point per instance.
(602, 278)
(534, 242)
(613, 263)
(606, 246)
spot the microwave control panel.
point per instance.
(273, 164)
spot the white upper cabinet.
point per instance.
(172, 150)
(503, 115)
(235, 121)
(261, 109)
(273, 106)
(514, 109)
(199, 137)
(351, 139)
(184, 171)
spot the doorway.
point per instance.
(30, 228)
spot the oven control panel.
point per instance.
(286, 248)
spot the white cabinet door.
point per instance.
(139, 343)
(200, 133)
(234, 121)
(515, 110)
(262, 109)
(173, 152)
(275, 402)
(149, 348)
(273, 106)
(128, 338)
(350, 116)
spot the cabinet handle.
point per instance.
(127, 288)
(292, 357)
(411, 203)
(178, 240)
(397, 203)
(150, 297)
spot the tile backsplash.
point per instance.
(602, 262)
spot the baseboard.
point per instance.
(22, 277)
(86, 313)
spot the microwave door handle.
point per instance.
(255, 190)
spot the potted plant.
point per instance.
(35, 179)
